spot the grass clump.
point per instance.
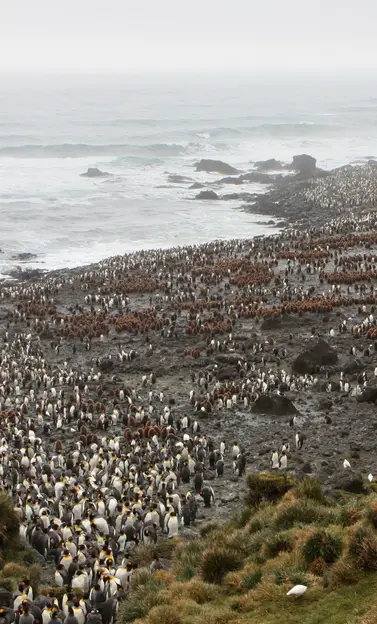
(141, 601)
(345, 571)
(9, 521)
(371, 513)
(277, 543)
(209, 528)
(165, 614)
(323, 545)
(310, 489)
(363, 547)
(217, 562)
(302, 512)
(266, 487)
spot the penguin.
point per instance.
(124, 574)
(208, 495)
(219, 468)
(299, 440)
(172, 525)
(61, 576)
(283, 461)
(275, 460)
(198, 482)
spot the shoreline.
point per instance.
(286, 202)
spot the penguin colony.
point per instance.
(100, 451)
(347, 187)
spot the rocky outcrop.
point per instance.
(304, 164)
(207, 195)
(197, 185)
(238, 196)
(259, 177)
(25, 275)
(230, 180)
(268, 165)
(369, 395)
(175, 178)
(349, 482)
(106, 365)
(274, 405)
(24, 257)
(317, 355)
(271, 322)
(93, 172)
(216, 166)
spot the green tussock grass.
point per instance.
(17, 562)
(288, 534)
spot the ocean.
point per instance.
(141, 128)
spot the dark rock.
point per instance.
(93, 172)
(355, 454)
(174, 178)
(227, 372)
(228, 358)
(325, 404)
(274, 404)
(369, 395)
(106, 365)
(24, 257)
(353, 365)
(24, 275)
(259, 178)
(349, 482)
(272, 322)
(238, 196)
(230, 180)
(317, 355)
(307, 468)
(207, 195)
(216, 166)
(197, 185)
(268, 165)
(304, 164)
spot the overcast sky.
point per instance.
(193, 34)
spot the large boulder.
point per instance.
(268, 165)
(239, 196)
(229, 358)
(349, 482)
(369, 395)
(274, 405)
(231, 180)
(175, 178)
(317, 355)
(93, 172)
(216, 166)
(227, 372)
(271, 322)
(352, 366)
(25, 256)
(106, 365)
(304, 164)
(207, 195)
(258, 177)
